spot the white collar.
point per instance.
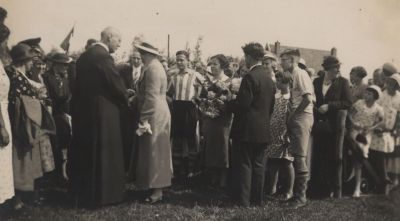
(103, 45)
(221, 77)
(285, 96)
(258, 63)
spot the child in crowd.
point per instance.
(365, 116)
(277, 152)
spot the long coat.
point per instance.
(252, 108)
(96, 163)
(154, 166)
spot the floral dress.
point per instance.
(365, 117)
(391, 106)
(30, 165)
(6, 167)
(279, 144)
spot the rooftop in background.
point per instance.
(313, 57)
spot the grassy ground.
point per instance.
(210, 204)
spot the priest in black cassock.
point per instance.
(96, 163)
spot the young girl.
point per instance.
(365, 116)
(277, 152)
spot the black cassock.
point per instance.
(96, 163)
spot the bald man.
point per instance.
(96, 163)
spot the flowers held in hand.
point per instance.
(144, 128)
(213, 104)
(235, 85)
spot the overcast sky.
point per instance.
(365, 32)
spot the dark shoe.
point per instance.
(295, 203)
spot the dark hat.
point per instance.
(60, 58)
(330, 62)
(147, 48)
(291, 52)
(389, 69)
(21, 52)
(4, 32)
(34, 43)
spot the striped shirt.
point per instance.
(185, 86)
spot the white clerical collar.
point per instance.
(258, 63)
(103, 45)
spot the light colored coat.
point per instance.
(154, 166)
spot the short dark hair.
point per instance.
(182, 52)
(4, 32)
(3, 14)
(359, 71)
(223, 61)
(286, 77)
(254, 50)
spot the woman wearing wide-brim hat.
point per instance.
(333, 99)
(154, 164)
(25, 109)
(57, 83)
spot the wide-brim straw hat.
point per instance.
(60, 58)
(148, 48)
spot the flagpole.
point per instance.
(168, 49)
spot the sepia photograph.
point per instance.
(199, 110)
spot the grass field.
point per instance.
(210, 204)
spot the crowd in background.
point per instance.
(91, 125)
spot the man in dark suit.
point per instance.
(250, 129)
(130, 74)
(96, 164)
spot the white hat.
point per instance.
(148, 48)
(376, 89)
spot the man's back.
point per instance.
(253, 107)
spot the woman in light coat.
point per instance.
(154, 166)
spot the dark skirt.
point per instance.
(184, 118)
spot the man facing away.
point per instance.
(250, 128)
(96, 165)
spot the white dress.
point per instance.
(6, 167)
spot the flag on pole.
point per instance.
(65, 43)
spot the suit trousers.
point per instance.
(250, 170)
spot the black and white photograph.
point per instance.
(199, 110)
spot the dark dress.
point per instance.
(328, 133)
(96, 163)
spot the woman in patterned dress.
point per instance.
(277, 152)
(6, 169)
(27, 160)
(216, 131)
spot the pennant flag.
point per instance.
(65, 44)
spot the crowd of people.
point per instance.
(95, 125)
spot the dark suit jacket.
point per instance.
(253, 107)
(338, 97)
(126, 74)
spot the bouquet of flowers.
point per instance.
(213, 103)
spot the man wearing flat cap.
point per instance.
(95, 159)
(300, 121)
